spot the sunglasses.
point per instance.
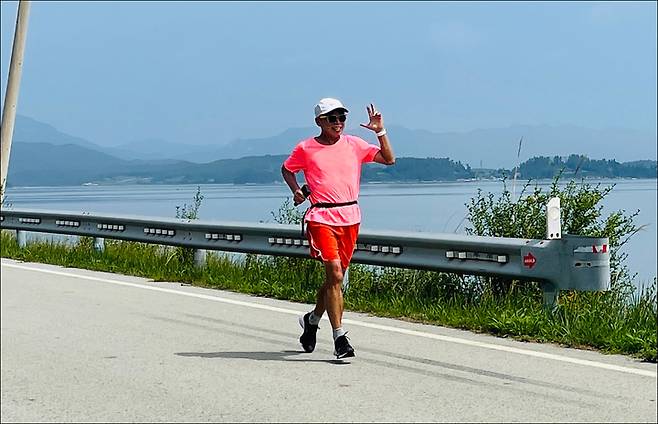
(332, 119)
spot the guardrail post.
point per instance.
(199, 257)
(99, 244)
(551, 294)
(21, 238)
(553, 219)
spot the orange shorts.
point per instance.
(332, 242)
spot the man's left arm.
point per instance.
(385, 154)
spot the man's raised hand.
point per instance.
(376, 122)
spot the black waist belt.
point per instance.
(324, 205)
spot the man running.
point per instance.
(331, 163)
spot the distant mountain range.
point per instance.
(486, 148)
(42, 155)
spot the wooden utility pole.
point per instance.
(11, 95)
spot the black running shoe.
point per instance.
(307, 338)
(343, 349)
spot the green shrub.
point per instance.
(184, 256)
(581, 211)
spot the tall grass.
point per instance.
(605, 321)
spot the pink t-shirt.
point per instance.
(333, 173)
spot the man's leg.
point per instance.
(320, 306)
(333, 300)
(325, 242)
(310, 321)
(342, 302)
(319, 301)
(332, 295)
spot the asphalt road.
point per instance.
(87, 346)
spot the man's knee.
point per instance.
(334, 273)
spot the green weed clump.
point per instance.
(622, 320)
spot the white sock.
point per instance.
(338, 332)
(314, 319)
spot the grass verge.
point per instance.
(606, 321)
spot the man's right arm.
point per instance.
(291, 180)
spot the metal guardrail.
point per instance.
(570, 263)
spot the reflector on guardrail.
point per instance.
(68, 223)
(228, 237)
(29, 220)
(110, 227)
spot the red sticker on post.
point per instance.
(529, 260)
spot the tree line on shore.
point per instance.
(266, 169)
(42, 164)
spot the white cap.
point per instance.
(328, 104)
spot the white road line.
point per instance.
(449, 339)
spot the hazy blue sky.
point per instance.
(207, 72)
